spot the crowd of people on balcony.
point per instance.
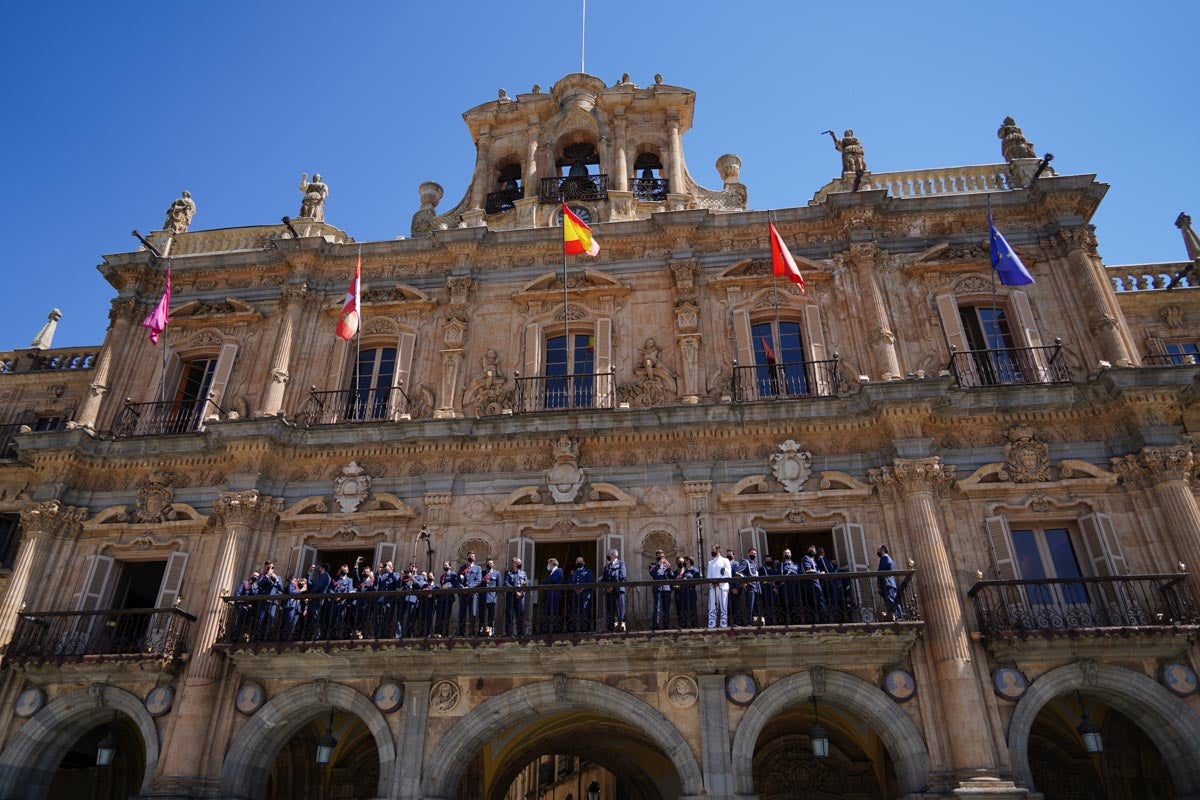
(386, 603)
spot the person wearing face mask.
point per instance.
(490, 578)
(514, 606)
(552, 616)
(660, 572)
(581, 598)
(470, 576)
(718, 593)
(614, 595)
(445, 601)
(752, 601)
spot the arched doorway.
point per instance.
(485, 751)
(352, 771)
(53, 755)
(1144, 729)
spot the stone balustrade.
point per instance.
(252, 237)
(1149, 277)
(925, 182)
(66, 358)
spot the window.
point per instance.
(1048, 552)
(570, 378)
(372, 384)
(509, 189)
(648, 183)
(991, 345)
(191, 396)
(1178, 353)
(48, 422)
(779, 359)
(997, 344)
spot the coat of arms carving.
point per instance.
(352, 487)
(153, 501)
(791, 467)
(565, 478)
(1027, 458)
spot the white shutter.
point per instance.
(172, 382)
(303, 556)
(746, 540)
(814, 345)
(604, 380)
(743, 379)
(1000, 541)
(220, 379)
(1027, 328)
(533, 393)
(168, 593)
(384, 552)
(405, 348)
(522, 548)
(850, 547)
(96, 585)
(956, 338)
(1103, 550)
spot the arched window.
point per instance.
(562, 374)
(649, 184)
(509, 189)
(578, 177)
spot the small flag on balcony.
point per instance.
(1005, 260)
(767, 351)
(347, 324)
(157, 321)
(577, 236)
(782, 262)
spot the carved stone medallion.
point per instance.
(1179, 678)
(682, 691)
(160, 700)
(389, 697)
(250, 698)
(352, 487)
(900, 685)
(444, 696)
(153, 501)
(791, 467)
(741, 689)
(565, 478)
(29, 702)
(1009, 683)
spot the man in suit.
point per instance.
(489, 578)
(689, 617)
(581, 598)
(389, 611)
(614, 595)
(789, 591)
(445, 601)
(813, 591)
(552, 611)
(319, 582)
(752, 591)
(887, 584)
(470, 575)
(514, 606)
(660, 572)
(269, 584)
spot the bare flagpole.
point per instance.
(582, 36)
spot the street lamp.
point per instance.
(818, 735)
(107, 748)
(326, 744)
(1093, 742)
(593, 791)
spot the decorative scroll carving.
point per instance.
(565, 478)
(1155, 465)
(911, 476)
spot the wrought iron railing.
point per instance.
(1010, 366)
(503, 200)
(353, 405)
(653, 190)
(787, 380)
(1064, 605)
(159, 633)
(839, 601)
(8, 447)
(574, 187)
(1169, 360)
(563, 392)
(173, 416)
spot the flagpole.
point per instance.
(991, 223)
(358, 310)
(566, 313)
(582, 39)
(162, 377)
(775, 292)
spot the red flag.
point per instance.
(770, 354)
(782, 262)
(157, 321)
(347, 324)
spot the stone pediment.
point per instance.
(752, 270)
(997, 480)
(764, 491)
(129, 516)
(538, 500)
(318, 506)
(229, 307)
(588, 283)
(400, 294)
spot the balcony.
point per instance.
(1169, 360)
(651, 190)
(158, 419)
(353, 405)
(574, 187)
(565, 392)
(503, 200)
(57, 637)
(1010, 366)
(1149, 612)
(8, 447)
(786, 381)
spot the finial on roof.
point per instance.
(658, 79)
(537, 88)
(1190, 239)
(45, 337)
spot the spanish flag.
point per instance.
(577, 236)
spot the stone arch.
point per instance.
(902, 738)
(28, 764)
(248, 761)
(527, 703)
(1171, 724)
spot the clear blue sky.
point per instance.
(110, 109)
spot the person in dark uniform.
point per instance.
(660, 572)
(514, 606)
(268, 584)
(581, 598)
(770, 594)
(319, 582)
(614, 595)
(751, 591)
(887, 584)
(489, 578)
(813, 591)
(470, 576)
(789, 591)
(445, 601)
(552, 621)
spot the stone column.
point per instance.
(1168, 473)
(40, 522)
(620, 156)
(715, 740)
(678, 184)
(918, 484)
(410, 767)
(482, 179)
(883, 341)
(121, 316)
(292, 302)
(530, 177)
(454, 335)
(1103, 316)
(181, 769)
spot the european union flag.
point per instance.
(1005, 260)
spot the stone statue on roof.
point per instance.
(180, 213)
(854, 158)
(315, 192)
(1013, 143)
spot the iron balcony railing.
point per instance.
(173, 416)
(574, 187)
(1169, 360)
(503, 200)
(564, 392)
(8, 447)
(787, 380)
(1010, 366)
(354, 405)
(1068, 605)
(653, 190)
(839, 601)
(159, 633)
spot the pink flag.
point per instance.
(347, 324)
(157, 321)
(782, 262)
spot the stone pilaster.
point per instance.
(677, 184)
(1168, 473)
(715, 741)
(883, 340)
(1103, 316)
(40, 522)
(917, 484)
(292, 302)
(620, 159)
(411, 747)
(122, 314)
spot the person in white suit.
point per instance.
(718, 594)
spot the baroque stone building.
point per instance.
(1026, 453)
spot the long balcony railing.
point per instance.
(353, 405)
(1010, 366)
(652, 190)
(1150, 277)
(1065, 605)
(1169, 360)
(841, 601)
(574, 187)
(565, 392)
(172, 416)
(503, 200)
(787, 380)
(158, 633)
